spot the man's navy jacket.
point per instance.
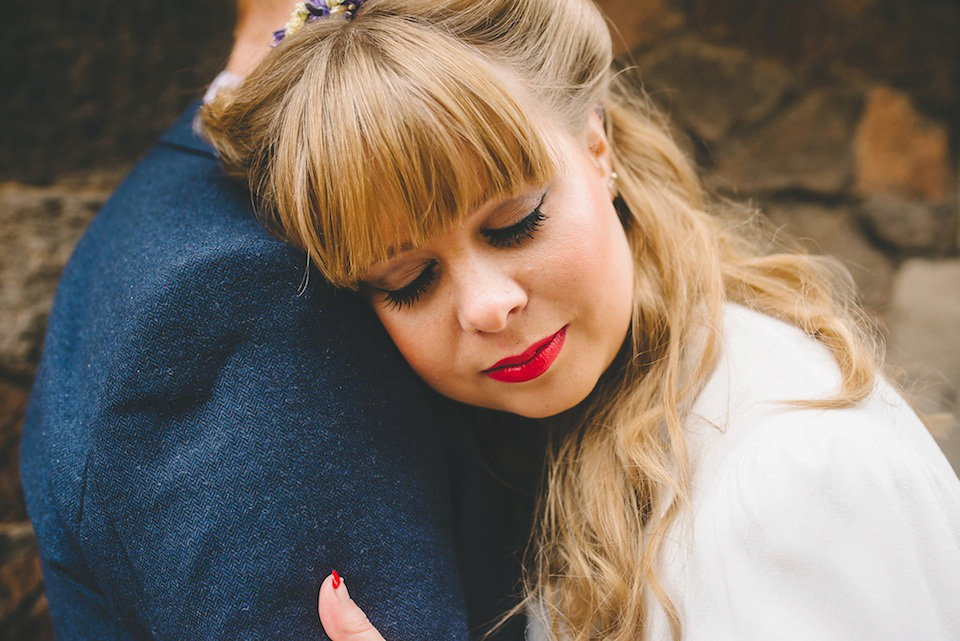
(204, 444)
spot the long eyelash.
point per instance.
(408, 295)
(517, 233)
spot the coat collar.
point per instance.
(182, 135)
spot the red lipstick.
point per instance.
(533, 362)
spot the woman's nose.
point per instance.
(487, 298)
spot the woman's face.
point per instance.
(524, 304)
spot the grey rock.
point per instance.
(21, 585)
(712, 89)
(16, 539)
(833, 231)
(808, 147)
(924, 339)
(93, 84)
(38, 229)
(911, 226)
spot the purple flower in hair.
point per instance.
(304, 12)
(317, 10)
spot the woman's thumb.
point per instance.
(342, 619)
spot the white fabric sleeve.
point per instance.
(827, 533)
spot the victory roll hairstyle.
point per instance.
(357, 136)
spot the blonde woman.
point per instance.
(729, 462)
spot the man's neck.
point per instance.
(256, 22)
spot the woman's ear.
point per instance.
(595, 138)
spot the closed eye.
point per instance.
(510, 236)
(411, 293)
(517, 233)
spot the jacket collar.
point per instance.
(182, 135)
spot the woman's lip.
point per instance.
(527, 354)
(536, 360)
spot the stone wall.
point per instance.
(838, 119)
(87, 87)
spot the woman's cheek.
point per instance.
(577, 259)
(412, 347)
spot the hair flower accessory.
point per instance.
(304, 12)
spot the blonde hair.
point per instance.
(356, 135)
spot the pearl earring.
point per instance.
(612, 184)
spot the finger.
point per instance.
(342, 619)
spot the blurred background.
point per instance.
(840, 119)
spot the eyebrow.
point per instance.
(393, 251)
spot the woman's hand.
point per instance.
(342, 619)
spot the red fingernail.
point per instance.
(336, 580)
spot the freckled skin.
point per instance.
(488, 303)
